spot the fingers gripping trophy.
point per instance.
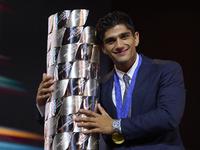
(73, 62)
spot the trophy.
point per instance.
(73, 62)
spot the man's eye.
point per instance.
(110, 42)
(125, 36)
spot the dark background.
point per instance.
(168, 30)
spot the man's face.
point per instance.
(120, 44)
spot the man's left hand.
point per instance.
(94, 122)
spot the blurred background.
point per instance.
(168, 30)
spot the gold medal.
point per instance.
(118, 138)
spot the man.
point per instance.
(142, 100)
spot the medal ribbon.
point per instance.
(122, 111)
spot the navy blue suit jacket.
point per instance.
(158, 102)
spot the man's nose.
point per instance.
(119, 44)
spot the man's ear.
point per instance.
(137, 40)
(103, 48)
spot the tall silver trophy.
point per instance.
(73, 62)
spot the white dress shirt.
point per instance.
(120, 74)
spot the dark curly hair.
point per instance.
(111, 20)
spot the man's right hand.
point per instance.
(44, 90)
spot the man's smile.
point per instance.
(121, 52)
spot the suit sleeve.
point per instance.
(169, 106)
(39, 118)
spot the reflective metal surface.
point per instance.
(95, 54)
(53, 107)
(58, 20)
(84, 52)
(57, 37)
(79, 69)
(49, 42)
(48, 141)
(93, 142)
(50, 23)
(52, 56)
(79, 141)
(93, 71)
(89, 103)
(71, 105)
(76, 86)
(47, 111)
(88, 35)
(91, 88)
(66, 123)
(60, 87)
(76, 128)
(67, 52)
(50, 70)
(73, 62)
(72, 35)
(50, 126)
(78, 17)
(63, 70)
(62, 141)
(61, 19)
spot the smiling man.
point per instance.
(142, 99)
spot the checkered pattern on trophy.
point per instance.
(73, 62)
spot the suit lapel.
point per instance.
(144, 75)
